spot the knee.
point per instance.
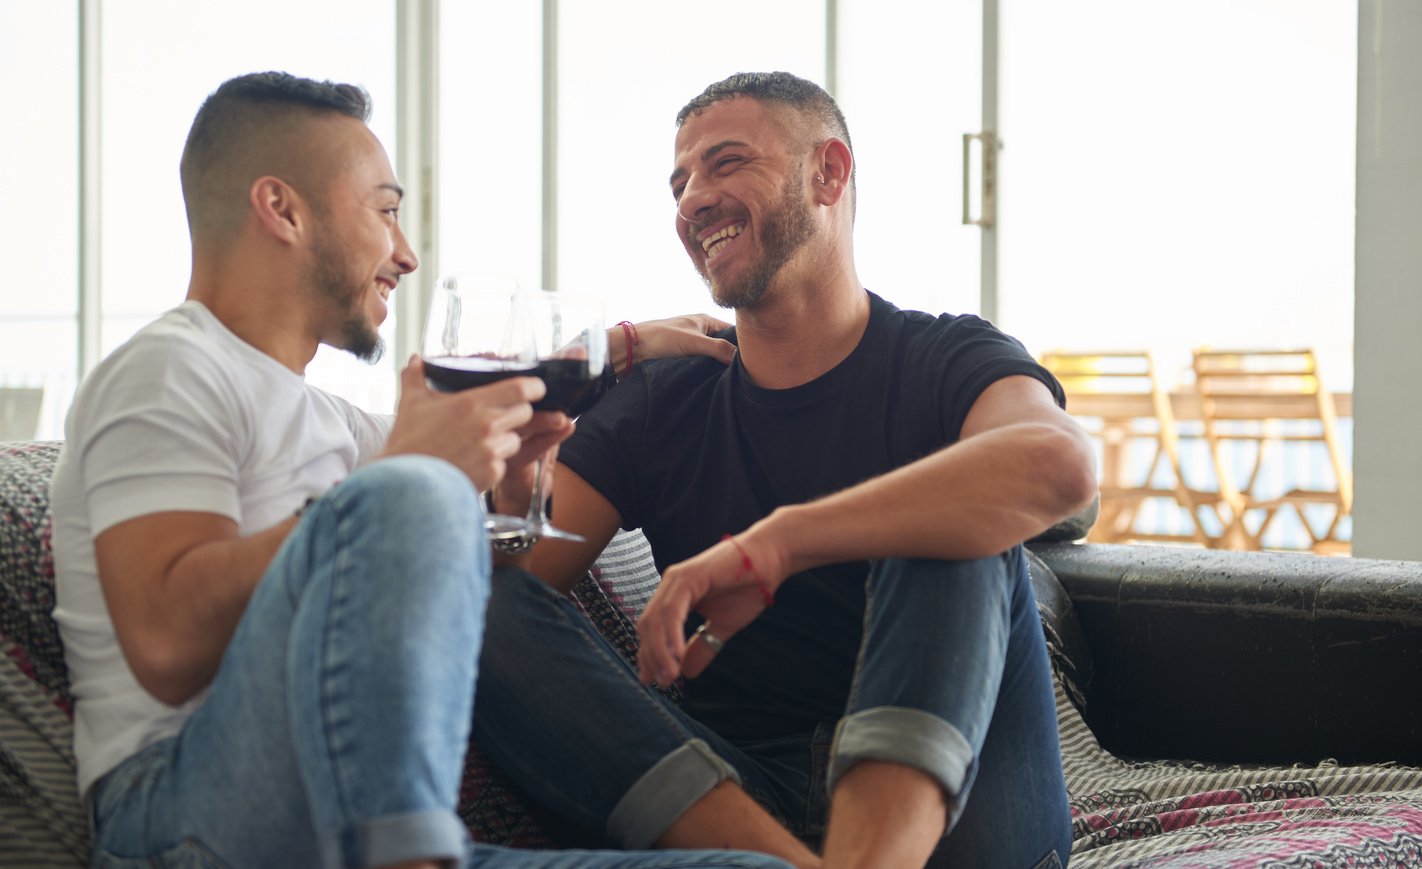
(425, 494)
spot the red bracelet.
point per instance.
(629, 335)
(748, 567)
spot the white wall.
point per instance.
(1387, 454)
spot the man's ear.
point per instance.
(834, 166)
(279, 208)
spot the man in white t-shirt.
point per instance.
(272, 602)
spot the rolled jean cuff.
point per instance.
(901, 735)
(665, 792)
(428, 835)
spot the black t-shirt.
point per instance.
(689, 450)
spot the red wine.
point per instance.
(454, 373)
(571, 387)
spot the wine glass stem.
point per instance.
(536, 517)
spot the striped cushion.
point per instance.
(41, 823)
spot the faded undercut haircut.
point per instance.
(245, 112)
(806, 97)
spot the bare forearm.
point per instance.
(974, 499)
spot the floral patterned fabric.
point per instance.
(1172, 813)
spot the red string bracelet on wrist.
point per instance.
(748, 567)
(629, 335)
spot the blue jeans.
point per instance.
(952, 679)
(334, 732)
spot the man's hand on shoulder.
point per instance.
(687, 335)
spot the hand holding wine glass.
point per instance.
(481, 432)
(475, 336)
(481, 330)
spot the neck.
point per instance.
(801, 331)
(256, 308)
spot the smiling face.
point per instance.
(739, 185)
(358, 251)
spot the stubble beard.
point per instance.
(333, 282)
(783, 232)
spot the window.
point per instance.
(907, 115)
(622, 78)
(160, 60)
(1178, 174)
(39, 158)
(490, 139)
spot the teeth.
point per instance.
(712, 244)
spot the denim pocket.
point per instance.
(187, 854)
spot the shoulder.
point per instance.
(958, 356)
(656, 392)
(674, 378)
(922, 338)
(171, 354)
(654, 403)
(175, 375)
(953, 327)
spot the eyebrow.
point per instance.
(391, 185)
(705, 156)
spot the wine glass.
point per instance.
(475, 334)
(570, 343)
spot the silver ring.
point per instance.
(710, 639)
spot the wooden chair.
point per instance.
(1118, 398)
(1268, 398)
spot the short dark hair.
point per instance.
(784, 88)
(244, 109)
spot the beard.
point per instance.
(330, 277)
(783, 231)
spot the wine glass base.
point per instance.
(501, 527)
(544, 531)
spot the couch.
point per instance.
(1215, 708)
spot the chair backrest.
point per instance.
(19, 412)
(1250, 394)
(1121, 390)
(1119, 399)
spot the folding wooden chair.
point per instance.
(1118, 398)
(1268, 398)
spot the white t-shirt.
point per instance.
(185, 416)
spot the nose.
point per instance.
(696, 198)
(404, 255)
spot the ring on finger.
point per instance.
(710, 639)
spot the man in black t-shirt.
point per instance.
(864, 666)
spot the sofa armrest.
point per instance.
(1249, 656)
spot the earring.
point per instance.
(820, 179)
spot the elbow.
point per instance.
(162, 671)
(1070, 473)
(169, 695)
